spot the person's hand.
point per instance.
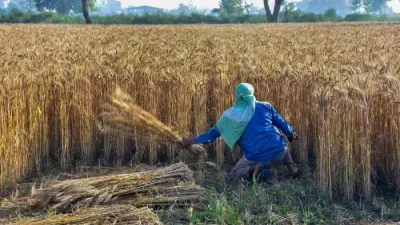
(187, 142)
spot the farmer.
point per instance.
(256, 127)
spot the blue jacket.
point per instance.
(261, 141)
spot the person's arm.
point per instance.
(279, 122)
(207, 137)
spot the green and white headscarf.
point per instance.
(234, 121)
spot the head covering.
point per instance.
(234, 121)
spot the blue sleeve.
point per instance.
(208, 137)
(279, 122)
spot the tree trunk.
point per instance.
(246, 6)
(85, 10)
(272, 17)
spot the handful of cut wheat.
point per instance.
(123, 115)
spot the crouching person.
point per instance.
(256, 127)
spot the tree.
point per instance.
(273, 16)
(290, 13)
(370, 6)
(231, 7)
(378, 6)
(30, 5)
(357, 5)
(61, 6)
(216, 11)
(247, 6)
(320, 6)
(85, 11)
(2, 4)
(362, 5)
(23, 5)
(78, 8)
(64, 6)
(331, 15)
(182, 9)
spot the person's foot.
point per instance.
(294, 172)
(264, 175)
(292, 168)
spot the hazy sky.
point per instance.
(172, 4)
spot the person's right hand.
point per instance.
(187, 142)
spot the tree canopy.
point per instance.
(23, 5)
(230, 7)
(63, 6)
(370, 6)
(320, 6)
(2, 4)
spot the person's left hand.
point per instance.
(187, 142)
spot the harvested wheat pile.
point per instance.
(162, 187)
(115, 214)
(123, 115)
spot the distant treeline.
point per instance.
(287, 15)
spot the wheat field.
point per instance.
(338, 84)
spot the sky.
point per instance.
(173, 4)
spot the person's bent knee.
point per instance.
(241, 173)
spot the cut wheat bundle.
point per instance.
(161, 187)
(113, 214)
(123, 115)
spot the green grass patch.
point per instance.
(285, 201)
